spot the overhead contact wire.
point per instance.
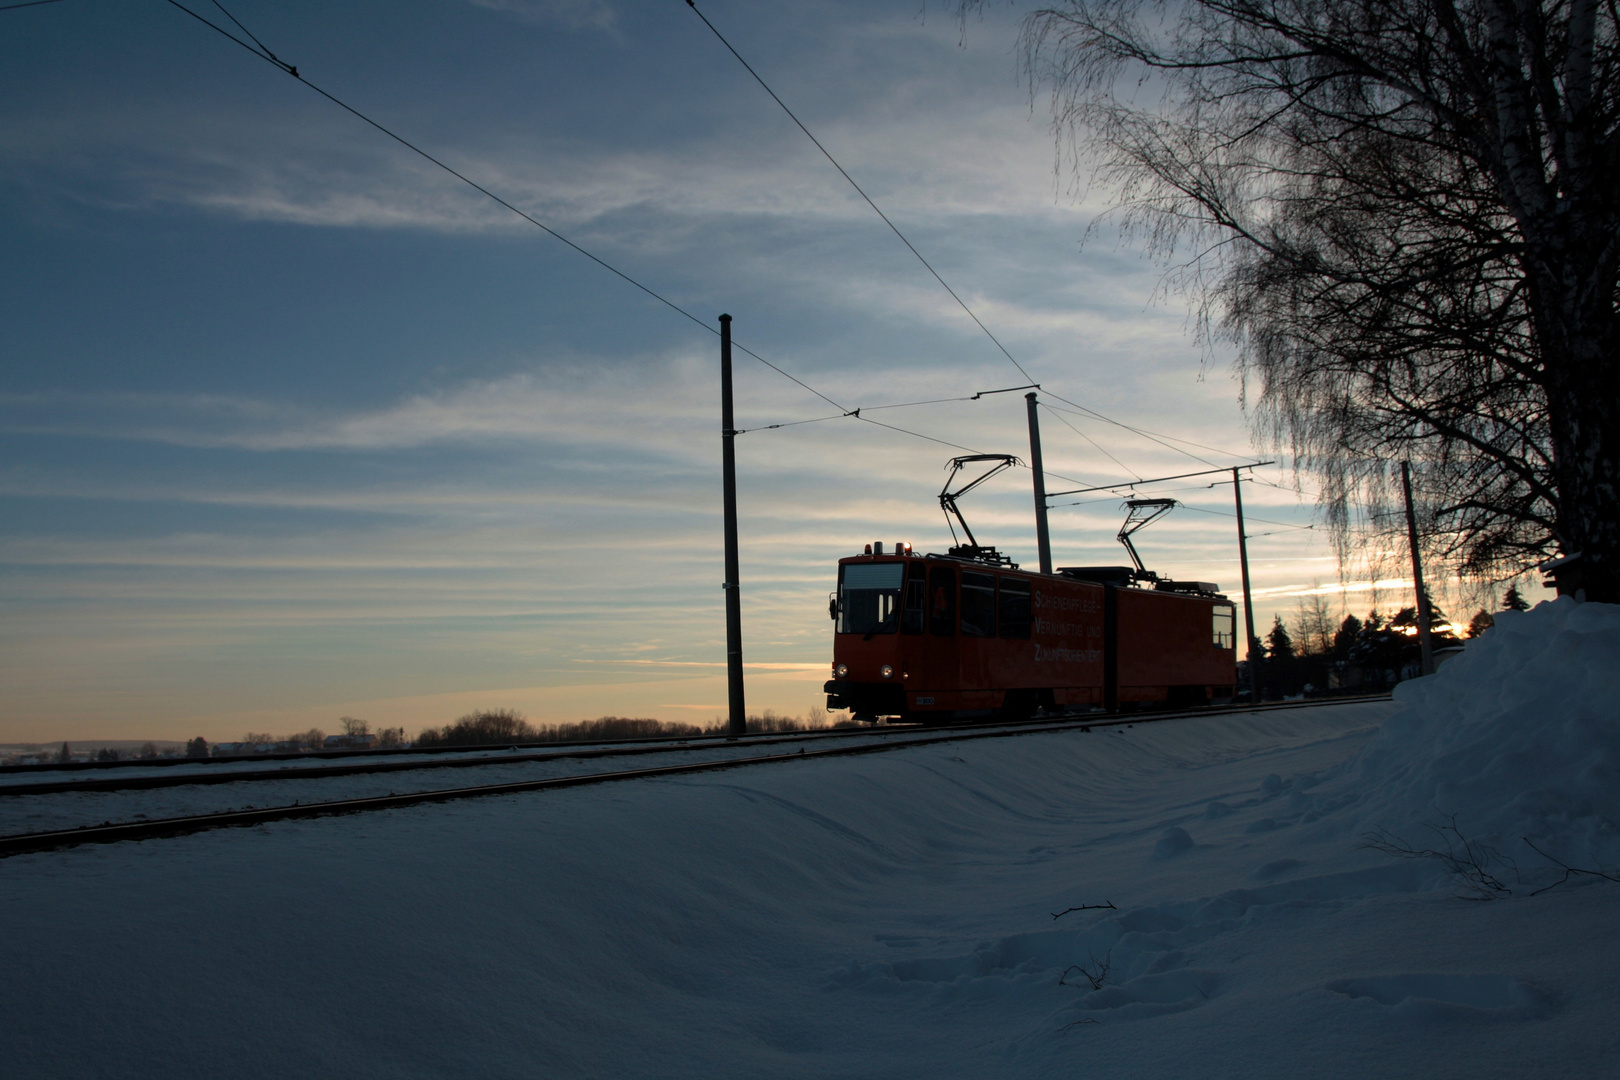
(1095, 443)
(929, 266)
(860, 191)
(258, 49)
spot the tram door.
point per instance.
(933, 669)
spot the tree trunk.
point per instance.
(1584, 398)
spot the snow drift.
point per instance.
(1519, 737)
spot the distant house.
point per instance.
(229, 749)
(350, 742)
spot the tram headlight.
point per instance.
(886, 671)
(840, 671)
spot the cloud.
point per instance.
(922, 139)
(558, 405)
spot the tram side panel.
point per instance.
(1064, 653)
(1038, 639)
(1170, 648)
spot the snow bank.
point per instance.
(1143, 901)
(1518, 737)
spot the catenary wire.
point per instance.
(1098, 445)
(1180, 504)
(1144, 432)
(1251, 517)
(1135, 430)
(266, 55)
(263, 52)
(1155, 437)
(259, 49)
(859, 191)
(855, 413)
(262, 46)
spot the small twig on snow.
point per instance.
(1569, 871)
(1095, 978)
(1082, 1020)
(1107, 905)
(1466, 860)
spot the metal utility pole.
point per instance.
(1425, 644)
(728, 457)
(1248, 600)
(1043, 540)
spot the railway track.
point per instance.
(492, 755)
(868, 741)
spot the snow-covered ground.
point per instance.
(311, 781)
(892, 915)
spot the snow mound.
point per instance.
(1453, 997)
(1519, 737)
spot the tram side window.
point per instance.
(978, 604)
(942, 602)
(915, 613)
(1014, 608)
(1225, 628)
(869, 598)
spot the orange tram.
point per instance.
(934, 638)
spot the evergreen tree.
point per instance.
(1513, 601)
(1279, 645)
(1345, 638)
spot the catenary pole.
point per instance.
(728, 455)
(1425, 644)
(1043, 539)
(1248, 599)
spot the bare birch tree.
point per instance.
(1406, 215)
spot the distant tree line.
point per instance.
(1321, 656)
(498, 727)
(486, 727)
(148, 752)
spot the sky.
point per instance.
(295, 425)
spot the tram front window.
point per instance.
(869, 598)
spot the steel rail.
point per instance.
(352, 755)
(111, 832)
(497, 755)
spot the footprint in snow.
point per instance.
(1172, 842)
(1153, 995)
(1452, 997)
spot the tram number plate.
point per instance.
(925, 701)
